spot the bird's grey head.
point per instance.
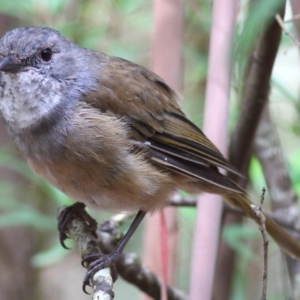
(37, 66)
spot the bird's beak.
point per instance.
(10, 64)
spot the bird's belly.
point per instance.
(83, 187)
(109, 190)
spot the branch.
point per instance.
(87, 243)
(129, 267)
(258, 211)
(256, 95)
(281, 24)
(268, 150)
(295, 17)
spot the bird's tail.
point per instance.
(284, 240)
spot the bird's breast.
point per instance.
(95, 164)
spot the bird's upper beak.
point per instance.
(10, 64)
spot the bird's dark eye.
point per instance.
(46, 54)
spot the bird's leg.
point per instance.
(95, 262)
(100, 261)
(69, 213)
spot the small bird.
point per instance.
(107, 132)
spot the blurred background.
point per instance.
(33, 264)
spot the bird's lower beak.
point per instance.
(10, 64)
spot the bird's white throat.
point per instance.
(26, 97)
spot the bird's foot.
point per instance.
(97, 262)
(67, 215)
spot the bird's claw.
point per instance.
(69, 213)
(95, 263)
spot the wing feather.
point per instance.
(152, 110)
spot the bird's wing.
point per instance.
(150, 107)
(145, 101)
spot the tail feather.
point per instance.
(282, 238)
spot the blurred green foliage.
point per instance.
(256, 15)
(123, 28)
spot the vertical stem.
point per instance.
(209, 209)
(167, 63)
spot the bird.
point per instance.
(108, 133)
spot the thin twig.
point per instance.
(281, 24)
(294, 18)
(268, 149)
(258, 211)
